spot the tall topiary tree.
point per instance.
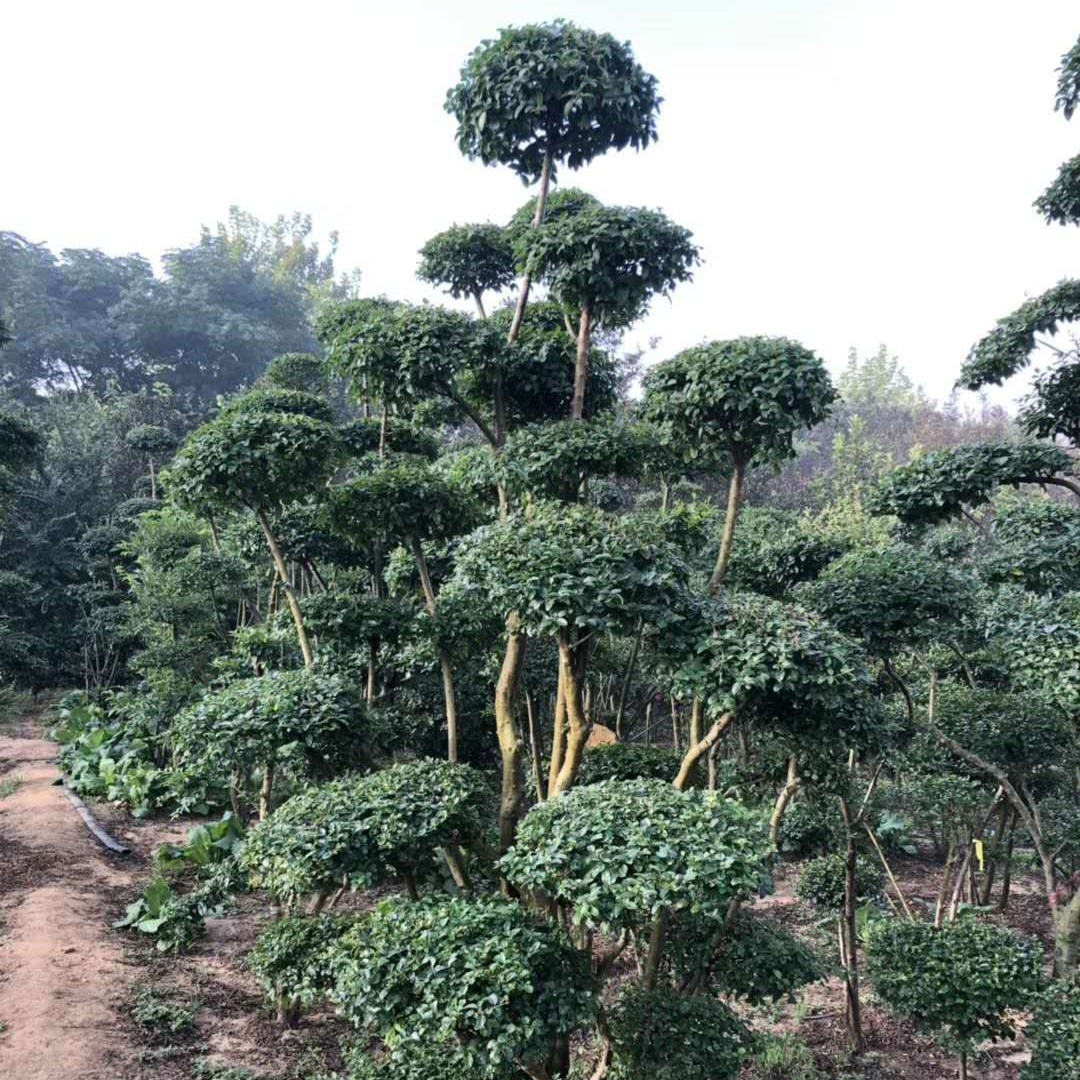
(258, 460)
(469, 260)
(537, 97)
(743, 401)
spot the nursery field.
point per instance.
(451, 692)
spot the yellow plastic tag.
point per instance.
(979, 854)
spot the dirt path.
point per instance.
(61, 971)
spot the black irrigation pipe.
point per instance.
(88, 820)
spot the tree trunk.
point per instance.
(656, 951)
(1006, 870)
(628, 675)
(558, 736)
(1067, 938)
(581, 365)
(534, 747)
(571, 673)
(153, 481)
(290, 595)
(700, 749)
(526, 280)
(849, 935)
(782, 800)
(265, 791)
(432, 605)
(511, 748)
(727, 538)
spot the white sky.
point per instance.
(855, 171)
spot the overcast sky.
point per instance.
(855, 171)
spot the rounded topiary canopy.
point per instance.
(964, 979)
(150, 439)
(620, 852)
(938, 486)
(307, 719)
(468, 260)
(297, 371)
(360, 830)
(1053, 406)
(889, 597)
(255, 458)
(745, 398)
(610, 259)
(551, 89)
(559, 566)
(272, 399)
(400, 500)
(480, 980)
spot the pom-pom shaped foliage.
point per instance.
(1068, 87)
(560, 566)
(292, 956)
(1054, 1033)
(664, 1035)
(479, 979)
(361, 438)
(621, 852)
(746, 397)
(939, 485)
(762, 657)
(274, 399)
(552, 89)
(469, 260)
(890, 597)
(297, 371)
(1008, 347)
(959, 981)
(150, 439)
(253, 458)
(360, 830)
(810, 828)
(397, 501)
(1060, 203)
(1053, 406)
(305, 719)
(611, 260)
(821, 881)
(628, 761)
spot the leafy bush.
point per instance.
(205, 846)
(663, 1035)
(958, 981)
(809, 828)
(1054, 1033)
(620, 852)
(822, 881)
(360, 830)
(479, 979)
(628, 761)
(175, 920)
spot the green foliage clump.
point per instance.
(359, 830)
(555, 89)
(773, 552)
(1054, 1033)
(297, 371)
(1060, 202)
(276, 399)
(621, 852)
(469, 260)
(809, 828)
(159, 1014)
(292, 957)
(360, 439)
(150, 439)
(628, 761)
(1052, 408)
(821, 881)
(664, 1035)
(940, 485)
(479, 979)
(960, 980)
(206, 846)
(176, 921)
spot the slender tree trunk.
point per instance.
(628, 675)
(1006, 871)
(534, 747)
(558, 735)
(290, 595)
(445, 667)
(153, 480)
(384, 426)
(699, 749)
(1067, 938)
(526, 280)
(727, 538)
(511, 748)
(656, 951)
(571, 664)
(782, 800)
(963, 1065)
(478, 298)
(849, 935)
(581, 365)
(265, 791)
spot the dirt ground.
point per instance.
(68, 981)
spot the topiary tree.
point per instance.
(360, 830)
(469, 260)
(605, 263)
(960, 981)
(407, 501)
(154, 442)
(306, 721)
(479, 982)
(741, 401)
(258, 460)
(941, 485)
(297, 371)
(537, 97)
(822, 882)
